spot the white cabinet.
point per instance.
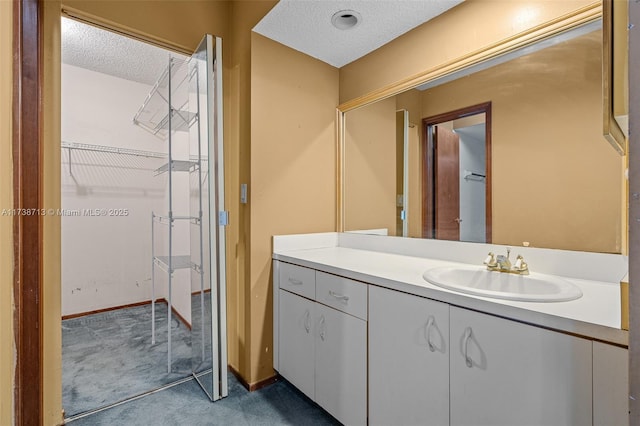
(341, 365)
(610, 385)
(322, 343)
(408, 359)
(297, 279)
(507, 373)
(367, 354)
(297, 342)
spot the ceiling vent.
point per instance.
(346, 19)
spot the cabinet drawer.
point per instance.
(298, 279)
(342, 293)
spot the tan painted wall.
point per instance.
(243, 355)
(7, 346)
(370, 172)
(293, 100)
(634, 221)
(556, 181)
(468, 27)
(51, 291)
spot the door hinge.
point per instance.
(223, 218)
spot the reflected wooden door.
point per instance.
(447, 184)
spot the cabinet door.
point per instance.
(408, 359)
(297, 355)
(341, 365)
(610, 385)
(508, 373)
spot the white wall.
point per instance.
(472, 191)
(107, 260)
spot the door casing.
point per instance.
(428, 166)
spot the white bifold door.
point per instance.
(206, 201)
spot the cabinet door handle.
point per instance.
(295, 281)
(322, 328)
(307, 321)
(427, 333)
(467, 336)
(339, 296)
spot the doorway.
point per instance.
(456, 170)
(143, 280)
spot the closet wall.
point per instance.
(107, 198)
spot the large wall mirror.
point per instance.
(508, 151)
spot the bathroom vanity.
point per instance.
(360, 331)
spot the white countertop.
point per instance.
(595, 315)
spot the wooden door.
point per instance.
(447, 184)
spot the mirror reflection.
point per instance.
(510, 152)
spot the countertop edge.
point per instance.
(540, 319)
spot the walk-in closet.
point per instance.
(143, 283)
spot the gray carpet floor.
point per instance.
(108, 357)
(186, 404)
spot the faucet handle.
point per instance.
(519, 261)
(490, 260)
(521, 266)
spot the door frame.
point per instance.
(27, 147)
(28, 150)
(428, 165)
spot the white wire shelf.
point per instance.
(177, 262)
(164, 220)
(156, 115)
(111, 150)
(177, 166)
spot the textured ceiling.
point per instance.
(92, 48)
(305, 25)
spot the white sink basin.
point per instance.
(499, 285)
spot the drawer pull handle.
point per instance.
(427, 333)
(467, 336)
(339, 296)
(322, 328)
(295, 281)
(307, 321)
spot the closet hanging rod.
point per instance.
(112, 150)
(474, 176)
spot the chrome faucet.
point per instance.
(502, 263)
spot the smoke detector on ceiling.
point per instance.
(346, 19)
